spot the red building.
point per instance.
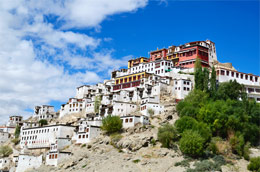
(158, 54)
(189, 52)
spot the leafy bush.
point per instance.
(167, 134)
(136, 160)
(43, 122)
(205, 166)
(237, 144)
(111, 124)
(153, 142)
(254, 164)
(213, 145)
(183, 163)
(84, 145)
(16, 141)
(192, 143)
(5, 151)
(150, 111)
(186, 123)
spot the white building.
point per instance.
(14, 120)
(55, 155)
(250, 81)
(123, 108)
(182, 87)
(4, 136)
(131, 121)
(26, 162)
(86, 132)
(44, 112)
(151, 106)
(42, 137)
(4, 163)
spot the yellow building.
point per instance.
(131, 80)
(137, 61)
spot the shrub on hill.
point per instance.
(5, 151)
(167, 134)
(43, 122)
(192, 143)
(254, 164)
(111, 124)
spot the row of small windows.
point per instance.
(53, 156)
(236, 74)
(83, 136)
(39, 131)
(184, 88)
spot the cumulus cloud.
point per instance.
(39, 62)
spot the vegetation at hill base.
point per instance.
(111, 124)
(5, 151)
(254, 164)
(214, 113)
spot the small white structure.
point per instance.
(131, 121)
(14, 120)
(181, 88)
(4, 136)
(123, 108)
(4, 163)
(86, 132)
(42, 137)
(28, 162)
(54, 156)
(39, 110)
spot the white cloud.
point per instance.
(39, 60)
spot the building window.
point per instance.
(83, 136)
(241, 76)
(246, 77)
(237, 74)
(131, 120)
(56, 156)
(222, 72)
(126, 120)
(79, 136)
(227, 73)
(50, 156)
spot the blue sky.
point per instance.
(48, 48)
(233, 26)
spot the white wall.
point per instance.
(4, 137)
(28, 162)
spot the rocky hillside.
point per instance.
(137, 150)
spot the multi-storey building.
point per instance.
(45, 112)
(250, 81)
(42, 137)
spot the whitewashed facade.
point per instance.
(4, 136)
(42, 137)
(250, 81)
(131, 121)
(26, 162)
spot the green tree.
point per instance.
(43, 122)
(17, 131)
(5, 151)
(230, 90)
(192, 143)
(205, 79)
(213, 82)
(111, 124)
(167, 134)
(199, 84)
(97, 104)
(254, 164)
